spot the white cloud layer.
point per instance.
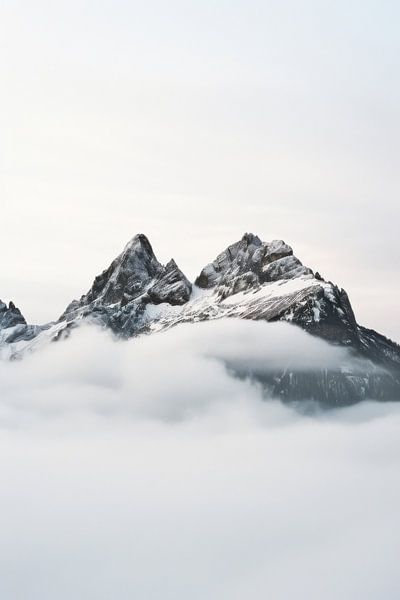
(143, 470)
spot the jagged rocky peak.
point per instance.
(127, 275)
(10, 315)
(249, 263)
(135, 273)
(171, 286)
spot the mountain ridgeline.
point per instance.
(251, 279)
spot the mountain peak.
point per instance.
(10, 315)
(135, 273)
(250, 263)
(251, 238)
(139, 241)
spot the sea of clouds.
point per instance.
(144, 470)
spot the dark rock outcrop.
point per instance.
(249, 263)
(134, 278)
(10, 316)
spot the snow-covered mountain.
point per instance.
(251, 279)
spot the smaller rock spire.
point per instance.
(10, 315)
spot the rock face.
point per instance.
(119, 296)
(248, 264)
(10, 316)
(251, 279)
(135, 274)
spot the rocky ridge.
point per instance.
(251, 279)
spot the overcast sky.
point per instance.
(194, 122)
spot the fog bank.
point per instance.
(143, 470)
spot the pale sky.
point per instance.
(194, 122)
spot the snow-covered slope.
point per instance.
(251, 279)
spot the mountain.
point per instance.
(251, 279)
(135, 279)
